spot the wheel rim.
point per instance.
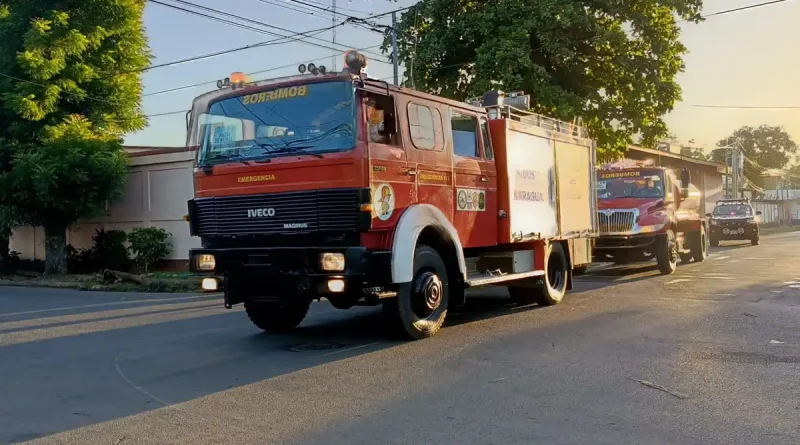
(555, 274)
(672, 248)
(703, 241)
(426, 294)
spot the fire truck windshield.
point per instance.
(315, 118)
(629, 184)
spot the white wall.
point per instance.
(158, 188)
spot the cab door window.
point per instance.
(382, 125)
(465, 135)
(487, 142)
(425, 126)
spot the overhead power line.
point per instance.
(195, 85)
(278, 41)
(747, 107)
(240, 25)
(745, 8)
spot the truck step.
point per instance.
(487, 277)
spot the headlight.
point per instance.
(205, 262)
(332, 262)
(751, 220)
(714, 222)
(650, 229)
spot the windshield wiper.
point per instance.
(222, 157)
(291, 145)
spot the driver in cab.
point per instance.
(375, 121)
(647, 189)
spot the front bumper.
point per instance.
(624, 242)
(274, 273)
(734, 233)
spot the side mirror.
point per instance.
(686, 179)
(759, 213)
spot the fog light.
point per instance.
(205, 262)
(209, 284)
(332, 262)
(336, 285)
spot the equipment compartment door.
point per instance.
(475, 194)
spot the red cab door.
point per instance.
(475, 181)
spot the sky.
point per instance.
(738, 60)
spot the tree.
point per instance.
(611, 63)
(70, 87)
(764, 147)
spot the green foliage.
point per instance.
(769, 147)
(610, 62)
(71, 58)
(70, 87)
(70, 178)
(108, 251)
(149, 245)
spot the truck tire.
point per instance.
(420, 308)
(554, 283)
(667, 253)
(699, 246)
(756, 240)
(714, 242)
(277, 318)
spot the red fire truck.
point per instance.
(346, 188)
(647, 212)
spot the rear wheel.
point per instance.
(699, 245)
(667, 253)
(277, 318)
(554, 283)
(420, 308)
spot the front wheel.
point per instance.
(554, 284)
(277, 318)
(755, 240)
(420, 307)
(667, 254)
(699, 246)
(714, 242)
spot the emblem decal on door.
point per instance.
(471, 200)
(383, 201)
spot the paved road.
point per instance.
(710, 355)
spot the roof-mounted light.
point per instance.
(236, 80)
(627, 163)
(312, 68)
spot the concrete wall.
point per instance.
(158, 188)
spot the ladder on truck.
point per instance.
(514, 106)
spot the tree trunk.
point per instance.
(5, 242)
(55, 250)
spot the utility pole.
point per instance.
(394, 47)
(333, 24)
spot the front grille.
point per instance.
(616, 221)
(733, 223)
(290, 212)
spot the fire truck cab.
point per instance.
(341, 187)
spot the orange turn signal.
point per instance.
(366, 207)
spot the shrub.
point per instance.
(150, 245)
(109, 251)
(80, 261)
